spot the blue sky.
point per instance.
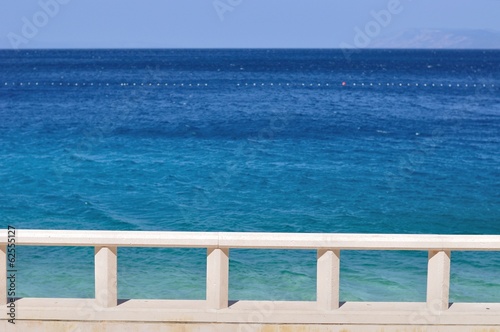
(228, 23)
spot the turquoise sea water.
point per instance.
(251, 140)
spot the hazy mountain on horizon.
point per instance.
(439, 39)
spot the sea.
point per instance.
(251, 140)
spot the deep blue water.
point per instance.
(251, 140)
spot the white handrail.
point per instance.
(344, 241)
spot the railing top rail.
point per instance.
(345, 241)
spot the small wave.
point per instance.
(83, 158)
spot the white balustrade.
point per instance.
(218, 244)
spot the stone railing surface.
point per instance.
(325, 312)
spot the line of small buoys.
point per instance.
(255, 84)
(444, 85)
(362, 84)
(286, 84)
(100, 84)
(165, 84)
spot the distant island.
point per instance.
(439, 39)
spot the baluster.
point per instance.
(327, 279)
(217, 278)
(438, 279)
(106, 277)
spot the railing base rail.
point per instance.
(261, 312)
